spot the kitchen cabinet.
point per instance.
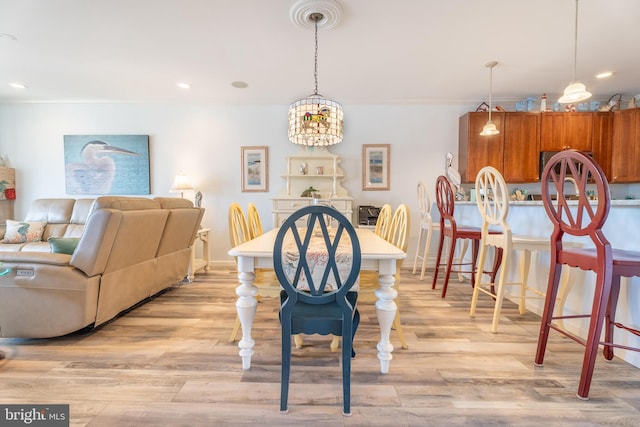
(521, 147)
(601, 141)
(625, 152)
(476, 151)
(561, 131)
(514, 151)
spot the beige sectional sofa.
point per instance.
(128, 249)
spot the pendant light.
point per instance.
(576, 91)
(490, 128)
(315, 120)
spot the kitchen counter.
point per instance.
(620, 202)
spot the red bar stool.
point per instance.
(445, 201)
(608, 264)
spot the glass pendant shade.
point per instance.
(315, 121)
(575, 92)
(489, 129)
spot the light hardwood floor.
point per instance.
(168, 363)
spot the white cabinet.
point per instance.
(317, 168)
(285, 206)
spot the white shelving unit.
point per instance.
(312, 167)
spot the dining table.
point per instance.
(377, 255)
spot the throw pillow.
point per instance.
(23, 231)
(63, 245)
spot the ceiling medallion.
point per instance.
(302, 10)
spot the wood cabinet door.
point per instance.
(552, 132)
(521, 147)
(602, 139)
(477, 151)
(578, 130)
(561, 131)
(625, 154)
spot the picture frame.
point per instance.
(107, 164)
(376, 167)
(255, 168)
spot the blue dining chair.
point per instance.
(310, 264)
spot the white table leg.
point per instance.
(246, 307)
(386, 310)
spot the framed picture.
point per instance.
(255, 168)
(375, 166)
(106, 164)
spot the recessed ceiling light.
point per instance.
(183, 85)
(604, 74)
(239, 85)
(17, 85)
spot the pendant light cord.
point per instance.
(490, 88)
(575, 45)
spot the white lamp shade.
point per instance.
(489, 129)
(575, 92)
(181, 184)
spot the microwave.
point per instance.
(545, 156)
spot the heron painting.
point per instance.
(106, 164)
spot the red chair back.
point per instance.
(585, 219)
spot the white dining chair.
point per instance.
(425, 232)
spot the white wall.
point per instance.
(204, 141)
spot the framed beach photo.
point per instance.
(255, 168)
(375, 166)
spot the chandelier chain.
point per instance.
(315, 69)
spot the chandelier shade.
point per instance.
(315, 120)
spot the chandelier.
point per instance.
(315, 120)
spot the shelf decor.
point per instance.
(255, 169)
(7, 183)
(376, 167)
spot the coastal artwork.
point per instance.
(106, 164)
(255, 166)
(375, 166)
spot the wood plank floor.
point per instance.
(168, 363)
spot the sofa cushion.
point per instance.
(63, 245)
(23, 231)
(55, 213)
(124, 203)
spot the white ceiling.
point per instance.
(382, 52)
